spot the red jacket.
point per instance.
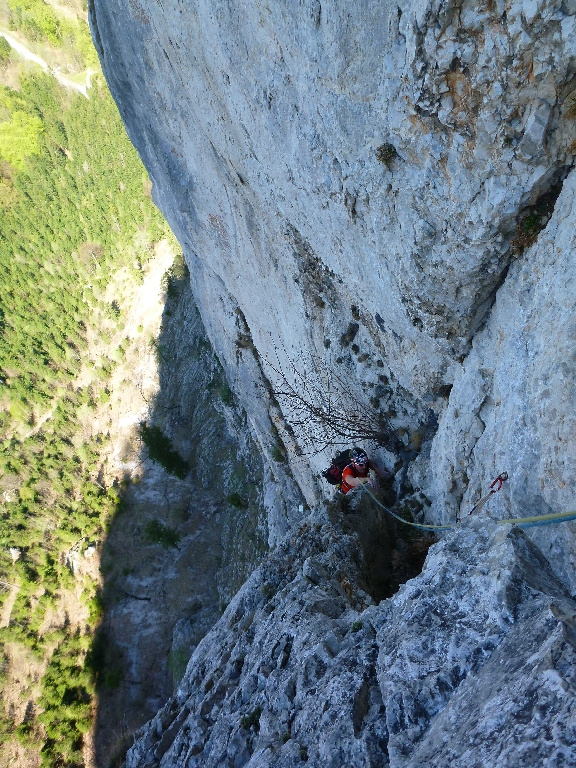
(352, 471)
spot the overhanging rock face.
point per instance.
(472, 662)
(328, 166)
(262, 120)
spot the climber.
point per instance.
(357, 472)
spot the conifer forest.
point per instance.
(75, 209)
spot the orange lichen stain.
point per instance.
(460, 90)
(419, 124)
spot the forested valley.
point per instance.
(76, 212)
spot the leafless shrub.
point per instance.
(322, 408)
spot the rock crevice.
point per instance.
(300, 669)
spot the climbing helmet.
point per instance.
(359, 456)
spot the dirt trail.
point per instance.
(21, 48)
(38, 426)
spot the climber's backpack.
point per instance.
(334, 472)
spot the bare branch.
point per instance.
(321, 405)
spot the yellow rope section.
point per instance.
(558, 517)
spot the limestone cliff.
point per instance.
(468, 664)
(383, 190)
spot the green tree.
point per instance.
(73, 212)
(5, 51)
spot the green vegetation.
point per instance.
(177, 662)
(173, 278)
(19, 138)
(235, 500)
(157, 532)
(356, 626)
(5, 51)
(73, 211)
(67, 689)
(40, 22)
(267, 590)
(20, 129)
(224, 393)
(530, 225)
(87, 181)
(386, 153)
(535, 218)
(252, 720)
(160, 450)
(278, 454)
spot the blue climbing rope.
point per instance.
(407, 522)
(521, 522)
(530, 522)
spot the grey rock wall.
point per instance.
(513, 404)
(260, 126)
(159, 601)
(470, 663)
(384, 191)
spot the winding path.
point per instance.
(20, 48)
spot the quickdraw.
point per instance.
(495, 486)
(500, 479)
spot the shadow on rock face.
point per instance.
(392, 553)
(191, 527)
(289, 673)
(186, 536)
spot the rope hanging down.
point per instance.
(496, 485)
(407, 522)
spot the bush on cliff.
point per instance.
(160, 450)
(157, 532)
